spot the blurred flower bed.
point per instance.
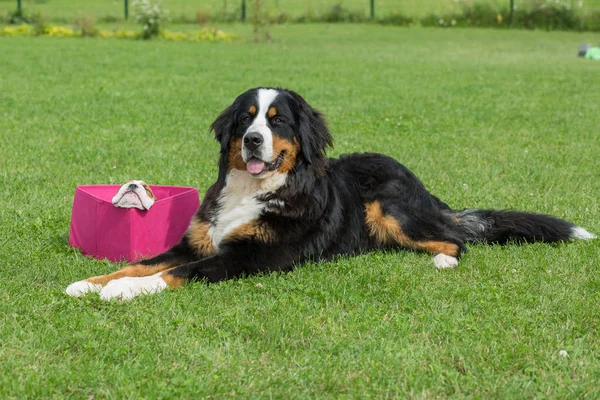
(203, 35)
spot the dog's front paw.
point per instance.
(80, 288)
(128, 288)
(442, 261)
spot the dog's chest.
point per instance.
(239, 202)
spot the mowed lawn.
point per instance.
(485, 118)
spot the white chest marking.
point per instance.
(239, 203)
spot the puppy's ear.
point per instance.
(312, 131)
(224, 124)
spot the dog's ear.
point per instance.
(224, 124)
(312, 131)
(223, 128)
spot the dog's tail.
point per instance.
(494, 226)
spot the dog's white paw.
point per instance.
(80, 288)
(128, 288)
(443, 261)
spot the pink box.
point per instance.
(102, 230)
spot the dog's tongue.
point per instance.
(255, 166)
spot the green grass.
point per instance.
(484, 118)
(70, 9)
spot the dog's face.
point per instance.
(267, 131)
(134, 194)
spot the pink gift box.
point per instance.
(102, 230)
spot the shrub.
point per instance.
(280, 18)
(205, 35)
(41, 27)
(17, 17)
(20, 17)
(480, 15)
(59, 31)
(337, 13)
(86, 26)
(592, 21)
(549, 15)
(109, 18)
(151, 15)
(21, 30)
(396, 18)
(202, 16)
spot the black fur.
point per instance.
(492, 226)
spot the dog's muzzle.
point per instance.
(253, 140)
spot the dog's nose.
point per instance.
(252, 140)
(132, 186)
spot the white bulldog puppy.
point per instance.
(134, 194)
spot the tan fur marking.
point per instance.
(148, 191)
(434, 247)
(272, 112)
(388, 231)
(254, 230)
(291, 152)
(199, 239)
(252, 110)
(130, 271)
(234, 157)
(172, 281)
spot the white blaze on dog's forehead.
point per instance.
(266, 97)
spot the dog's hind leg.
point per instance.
(420, 231)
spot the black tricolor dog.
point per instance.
(279, 201)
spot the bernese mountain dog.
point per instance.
(279, 201)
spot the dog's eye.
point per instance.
(277, 121)
(245, 119)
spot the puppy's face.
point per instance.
(134, 194)
(266, 130)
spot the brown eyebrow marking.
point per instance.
(252, 110)
(272, 112)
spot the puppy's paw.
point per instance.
(442, 261)
(128, 288)
(81, 288)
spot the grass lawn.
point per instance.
(485, 118)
